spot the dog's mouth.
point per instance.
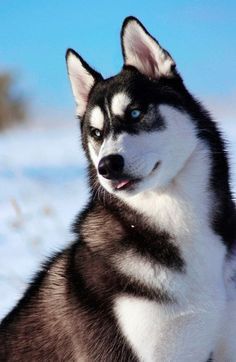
(156, 166)
(129, 183)
(125, 184)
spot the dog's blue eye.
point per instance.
(135, 113)
(96, 133)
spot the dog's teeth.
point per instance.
(122, 183)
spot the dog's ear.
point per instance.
(82, 78)
(143, 52)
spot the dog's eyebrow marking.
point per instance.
(119, 103)
(97, 118)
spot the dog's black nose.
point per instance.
(111, 167)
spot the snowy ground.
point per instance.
(42, 187)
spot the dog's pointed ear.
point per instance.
(82, 78)
(143, 52)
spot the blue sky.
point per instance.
(200, 35)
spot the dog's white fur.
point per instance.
(97, 118)
(119, 103)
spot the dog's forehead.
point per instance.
(119, 103)
(116, 106)
(112, 96)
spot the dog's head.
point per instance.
(136, 129)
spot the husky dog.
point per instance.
(151, 274)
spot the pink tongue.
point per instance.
(122, 183)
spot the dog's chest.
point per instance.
(158, 332)
(149, 325)
(141, 323)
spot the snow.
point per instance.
(42, 188)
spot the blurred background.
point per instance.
(42, 167)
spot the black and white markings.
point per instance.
(119, 104)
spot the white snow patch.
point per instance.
(42, 187)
